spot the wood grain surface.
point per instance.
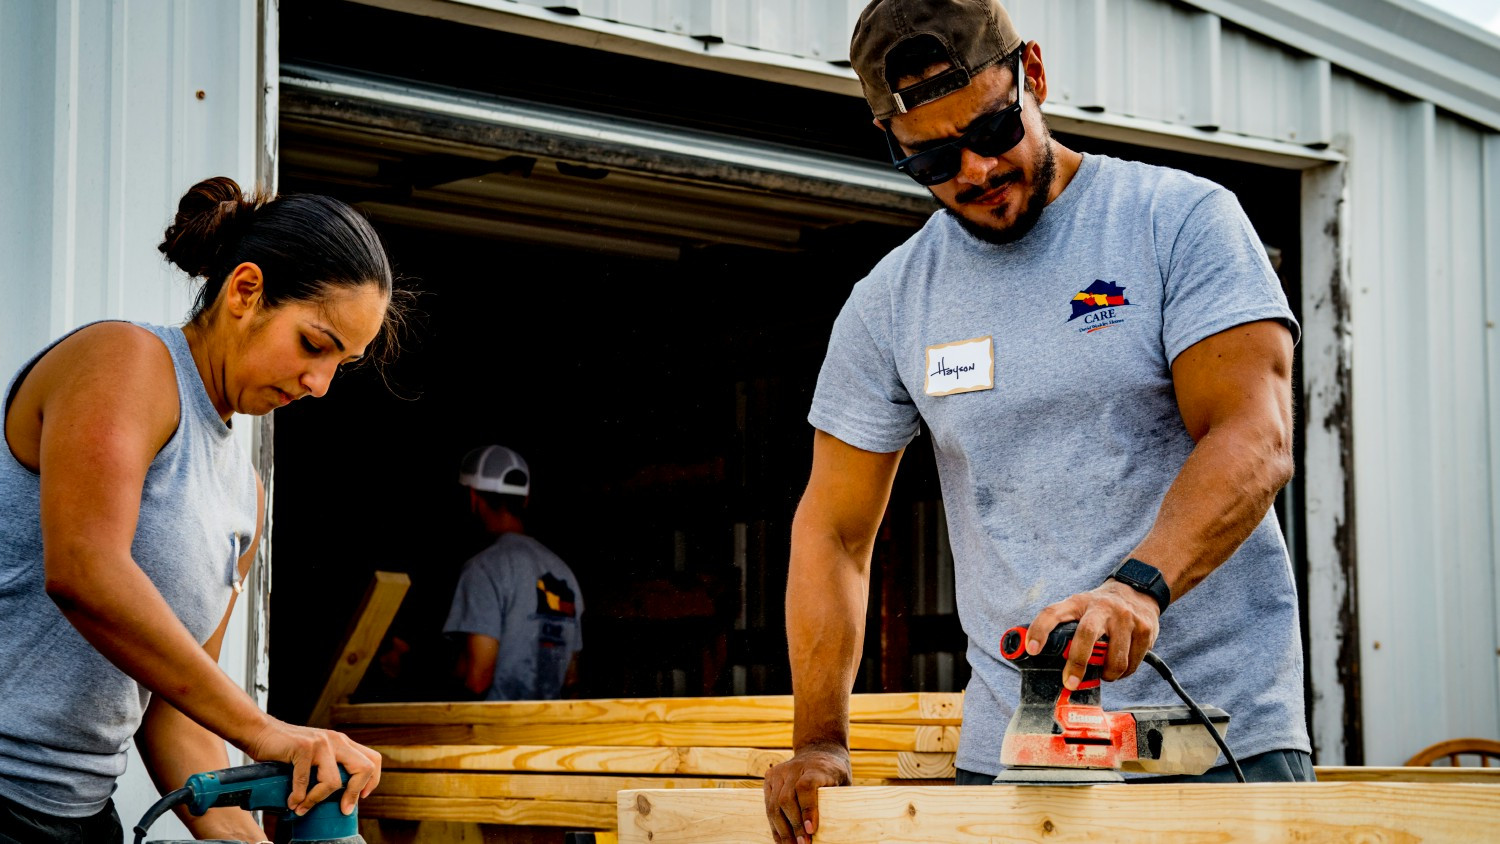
(929, 708)
(1308, 813)
(771, 735)
(695, 761)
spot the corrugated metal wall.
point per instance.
(1423, 188)
(103, 131)
(1422, 202)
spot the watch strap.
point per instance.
(1144, 577)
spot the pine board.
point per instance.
(387, 831)
(929, 708)
(693, 761)
(1356, 773)
(1307, 813)
(586, 788)
(377, 609)
(494, 810)
(920, 738)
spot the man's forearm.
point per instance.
(827, 589)
(1219, 496)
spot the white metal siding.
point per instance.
(1489, 177)
(26, 207)
(1422, 396)
(102, 133)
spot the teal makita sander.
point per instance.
(263, 787)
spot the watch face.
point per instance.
(1137, 571)
(1144, 577)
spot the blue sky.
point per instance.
(1485, 13)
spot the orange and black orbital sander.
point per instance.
(1062, 737)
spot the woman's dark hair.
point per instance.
(305, 245)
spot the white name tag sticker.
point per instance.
(961, 367)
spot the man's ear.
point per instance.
(244, 290)
(879, 124)
(1036, 72)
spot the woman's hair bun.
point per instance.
(211, 218)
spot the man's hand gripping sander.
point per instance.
(1057, 736)
(265, 786)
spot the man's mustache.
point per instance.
(995, 183)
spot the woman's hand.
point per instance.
(306, 747)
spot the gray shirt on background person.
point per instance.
(520, 593)
(1042, 369)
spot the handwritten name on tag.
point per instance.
(961, 367)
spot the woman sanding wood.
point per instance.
(129, 517)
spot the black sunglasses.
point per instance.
(989, 136)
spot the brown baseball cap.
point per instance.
(976, 34)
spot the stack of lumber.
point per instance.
(561, 763)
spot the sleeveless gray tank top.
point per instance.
(66, 712)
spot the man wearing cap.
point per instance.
(1102, 355)
(517, 604)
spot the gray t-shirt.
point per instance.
(1052, 474)
(66, 712)
(522, 594)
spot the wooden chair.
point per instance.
(1484, 749)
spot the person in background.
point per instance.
(517, 605)
(129, 517)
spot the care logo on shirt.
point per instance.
(554, 597)
(1099, 305)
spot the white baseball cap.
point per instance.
(495, 468)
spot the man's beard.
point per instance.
(1045, 165)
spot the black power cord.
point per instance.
(1166, 673)
(159, 808)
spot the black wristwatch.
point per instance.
(1144, 577)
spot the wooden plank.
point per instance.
(367, 629)
(692, 761)
(909, 766)
(1308, 813)
(386, 831)
(586, 788)
(390, 831)
(496, 810)
(1361, 773)
(701, 761)
(925, 739)
(929, 708)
